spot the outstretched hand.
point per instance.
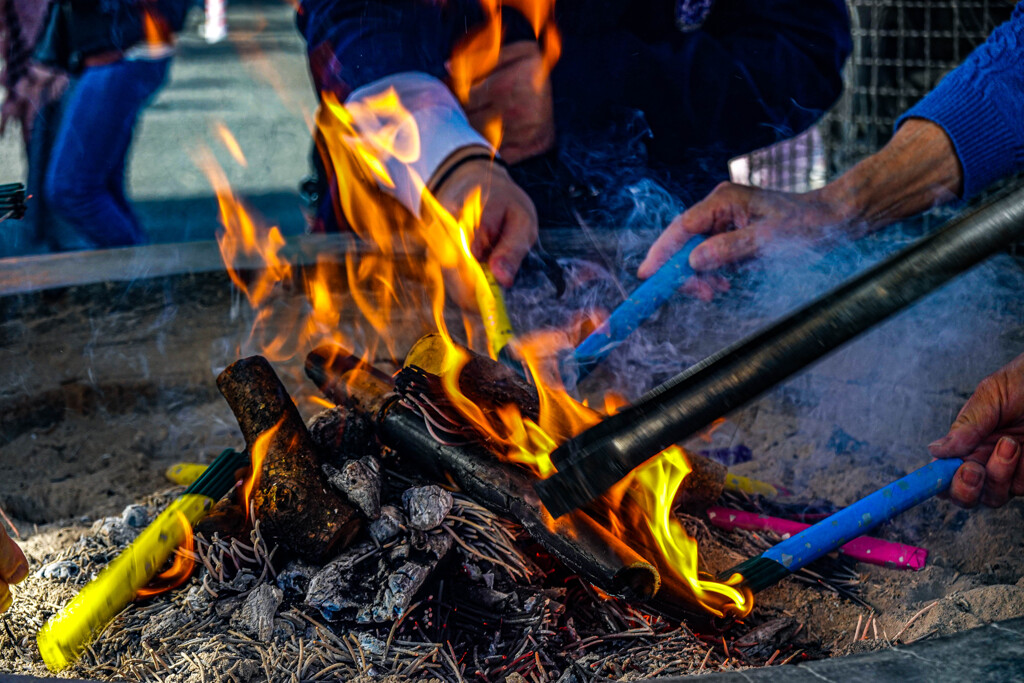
(742, 221)
(13, 568)
(988, 434)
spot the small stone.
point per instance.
(243, 581)
(346, 584)
(198, 600)
(135, 516)
(61, 570)
(115, 530)
(258, 610)
(359, 480)
(372, 644)
(295, 577)
(427, 506)
(401, 587)
(387, 525)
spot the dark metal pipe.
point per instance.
(593, 461)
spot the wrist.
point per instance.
(463, 162)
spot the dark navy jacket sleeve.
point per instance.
(979, 105)
(757, 71)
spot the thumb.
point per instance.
(978, 419)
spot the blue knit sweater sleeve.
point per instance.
(980, 105)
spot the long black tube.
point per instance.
(596, 459)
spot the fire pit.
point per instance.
(107, 383)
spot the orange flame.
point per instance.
(258, 455)
(231, 144)
(181, 567)
(400, 290)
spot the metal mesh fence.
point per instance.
(902, 48)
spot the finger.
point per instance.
(489, 231)
(729, 247)
(517, 236)
(698, 288)
(999, 472)
(667, 244)
(13, 565)
(977, 419)
(714, 213)
(967, 484)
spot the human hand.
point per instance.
(987, 434)
(516, 95)
(13, 568)
(508, 222)
(742, 221)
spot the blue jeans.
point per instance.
(85, 179)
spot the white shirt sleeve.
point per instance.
(441, 127)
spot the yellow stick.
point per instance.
(497, 325)
(67, 633)
(735, 482)
(184, 473)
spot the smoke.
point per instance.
(873, 404)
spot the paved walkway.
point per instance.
(256, 83)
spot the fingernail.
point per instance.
(1006, 449)
(699, 259)
(20, 573)
(501, 270)
(939, 443)
(970, 476)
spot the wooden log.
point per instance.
(490, 385)
(487, 383)
(577, 540)
(296, 507)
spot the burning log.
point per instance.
(578, 541)
(490, 385)
(483, 381)
(295, 506)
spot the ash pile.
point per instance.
(363, 545)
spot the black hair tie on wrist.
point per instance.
(465, 160)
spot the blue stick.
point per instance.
(637, 308)
(855, 520)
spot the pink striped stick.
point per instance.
(863, 549)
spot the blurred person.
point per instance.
(27, 85)
(214, 28)
(711, 78)
(988, 433)
(13, 568)
(32, 99)
(964, 135)
(119, 52)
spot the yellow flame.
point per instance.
(231, 144)
(399, 290)
(258, 456)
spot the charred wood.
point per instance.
(293, 502)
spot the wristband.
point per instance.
(481, 156)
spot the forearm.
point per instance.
(916, 170)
